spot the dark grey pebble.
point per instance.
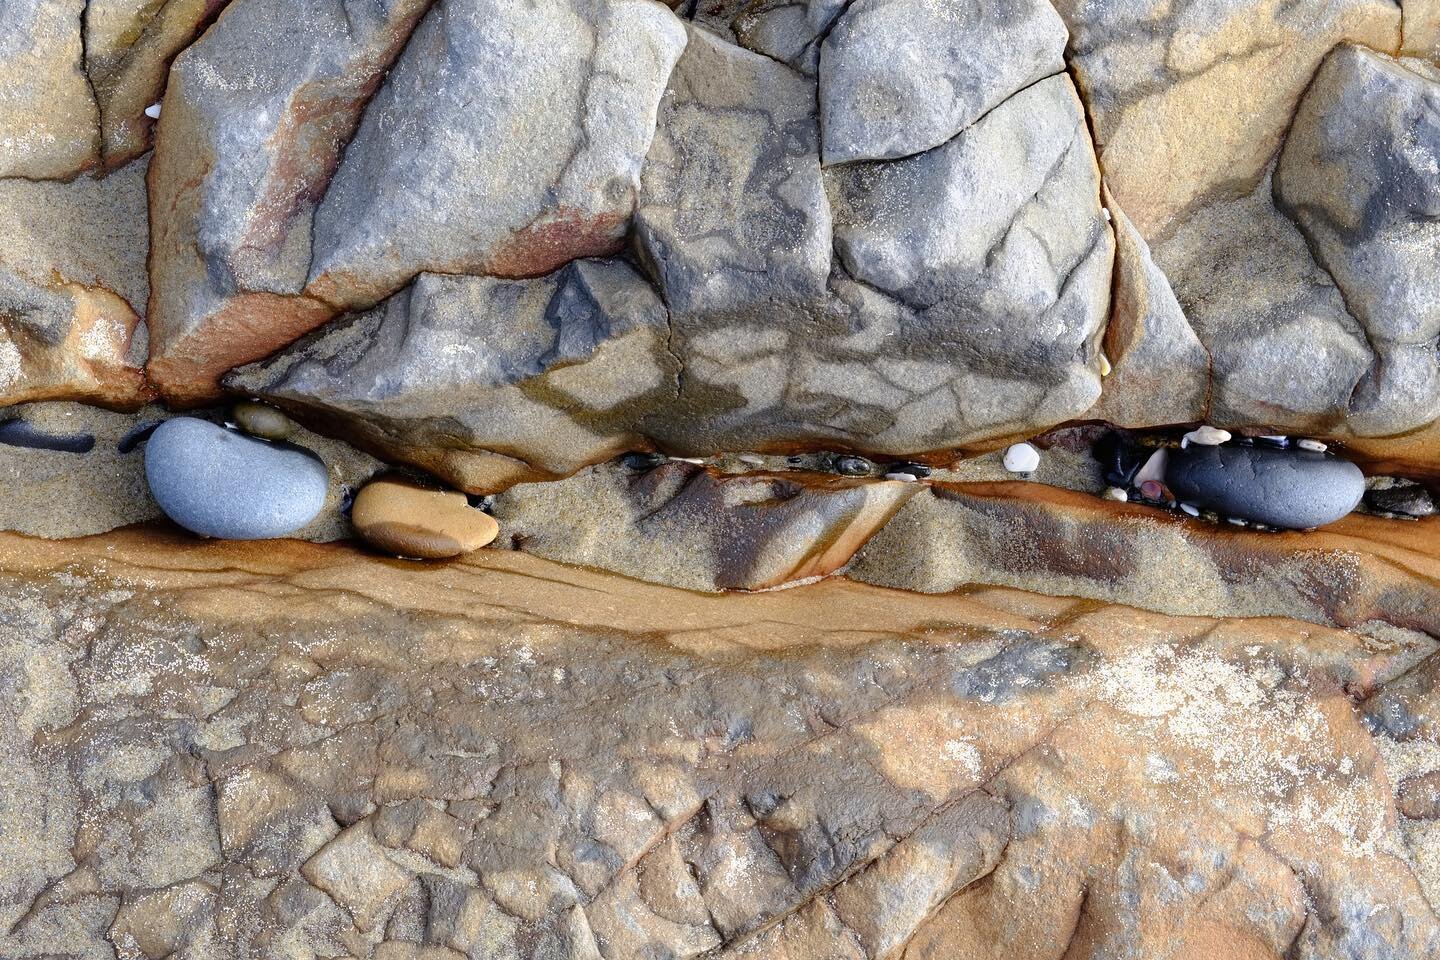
(137, 435)
(23, 433)
(851, 466)
(1405, 499)
(917, 470)
(221, 483)
(642, 461)
(1289, 488)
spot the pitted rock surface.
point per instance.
(505, 757)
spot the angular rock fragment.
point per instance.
(1292, 489)
(129, 45)
(732, 216)
(249, 137)
(1017, 299)
(49, 125)
(1160, 371)
(507, 141)
(685, 525)
(72, 287)
(1191, 102)
(486, 382)
(1358, 175)
(898, 77)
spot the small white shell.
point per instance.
(1105, 367)
(752, 460)
(902, 477)
(698, 461)
(1022, 458)
(1190, 509)
(1115, 493)
(1305, 443)
(153, 111)
(1206, 436)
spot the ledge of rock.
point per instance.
(224, 747)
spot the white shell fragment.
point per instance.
(1105, 367)
(1115, 493)
(153, 111)
(902, 477)
(1022, 458)
(1313, 445)
(1154, 468)
(1206, 436)
(1190, 509)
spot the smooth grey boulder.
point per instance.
(898, 77)
(1283, 487)
(486, 382)
(1360, 177)
(507, 141)
(221, 483)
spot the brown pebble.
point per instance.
(409, 520)
(262, 420)
(1419, 797)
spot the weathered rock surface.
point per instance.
(487, 382)
(898, 77)
(507, 141)
(49, 125)
(1358, 175)
(1032, 536)
(1420, 22)
(690, 527)
(520, 759)
(1160, 371)
(129, 45)
(250, 134)
(72, 288)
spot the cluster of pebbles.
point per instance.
(250, 482)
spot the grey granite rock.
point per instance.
(220, 483)
(484, 381)
(898, 77)
(507, 141)
(254, 121)
(1360, 176)
(1288, 488)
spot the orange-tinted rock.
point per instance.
(410, 520)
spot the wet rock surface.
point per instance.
(505, 760)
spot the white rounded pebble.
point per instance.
(1313, 445)
(1115, 493)
(1206, 436)
(902, 477)
(1191, 509)
(1022, 458)
(153, 111)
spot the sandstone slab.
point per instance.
(688, 526)
(487, 382)
(250, 134)
(898, 77)
(534, 123)
(49, 124)
(73, 288)
(628, 770)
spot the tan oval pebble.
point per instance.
(262, 420)
(409, 520)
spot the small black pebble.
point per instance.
(918, 470)
(795, 461)
(137, 435)
(1406, 499)
(22, 433)
(642, 461)
(853, 466)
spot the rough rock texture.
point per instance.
(1030, 536)
(1160, 371)
(49, 124)
(507, 141)
(250, 134)
(487, 382)
(72, 288)
(1421, 27)
(1360, 176)
(691, 527)
(308, 750)
(898, 77)
(129, 45)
